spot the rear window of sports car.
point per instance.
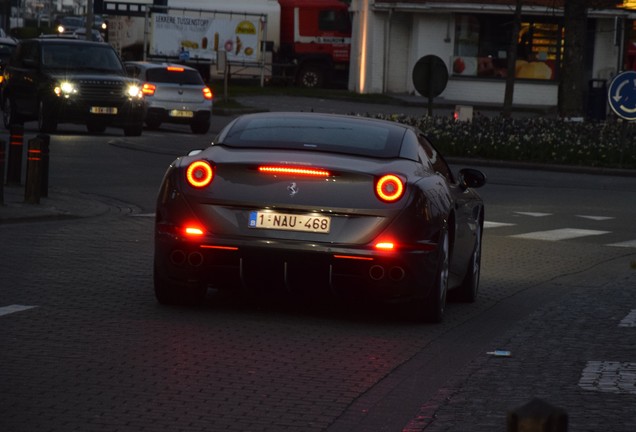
(350, 136)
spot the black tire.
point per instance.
(47, 123)
(171, 293)
(311, 76)
(9, 115)
(431, 308)
(133, 130)
(467, 291)
(200, 127)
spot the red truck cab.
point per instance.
(315, 36)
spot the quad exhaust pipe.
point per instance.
(378, 272)
(179, 257)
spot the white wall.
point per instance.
(392, 50)
(605, 51)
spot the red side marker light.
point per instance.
(383, 245)
(199, 174)
(389, 188)
(193, 231)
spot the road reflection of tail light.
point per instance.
(304, 171)
(207, 93)
(199, 174)
(148, 89)
(389, 188)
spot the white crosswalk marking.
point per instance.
(533, 214)
(560, 234)
(609, 377)
(595, 218)
(488, 224)
(627, 244)
(6, 310)
(629, 320)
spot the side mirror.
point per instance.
(194, 152)
(471, 178)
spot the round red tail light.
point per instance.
(199, 174)
(389, 188)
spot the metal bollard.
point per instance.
(45, 144)
(16, 146)
(3, 147)
(34, 172)
(537, 416)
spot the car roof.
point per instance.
(66, 39)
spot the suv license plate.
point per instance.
(181, 113)
(290, 222)
(103, 110)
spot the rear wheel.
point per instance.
(431, 308)
(47, 122)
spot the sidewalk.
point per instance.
(58, 205)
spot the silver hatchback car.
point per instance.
(174, 93)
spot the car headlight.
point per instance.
(65, 89)
(134, 91)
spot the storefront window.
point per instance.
(481, 47)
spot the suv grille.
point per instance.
(102, 90)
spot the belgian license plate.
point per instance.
(103, 110)
(181, 113)
(290, 222)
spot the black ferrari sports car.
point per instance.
(319, 204)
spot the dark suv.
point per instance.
(59, 80)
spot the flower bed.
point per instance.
(610, 144)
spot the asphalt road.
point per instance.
(84, 346)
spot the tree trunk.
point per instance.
(571, 79)
(512, 62)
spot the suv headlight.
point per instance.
(134, 91)
(65, 89)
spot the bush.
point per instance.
(607, 144)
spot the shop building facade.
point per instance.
(473, 38)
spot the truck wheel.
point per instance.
(311, 77)
(46, 118)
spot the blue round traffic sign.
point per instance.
(621, 95)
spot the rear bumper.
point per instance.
(163, 115)
(303, 269)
